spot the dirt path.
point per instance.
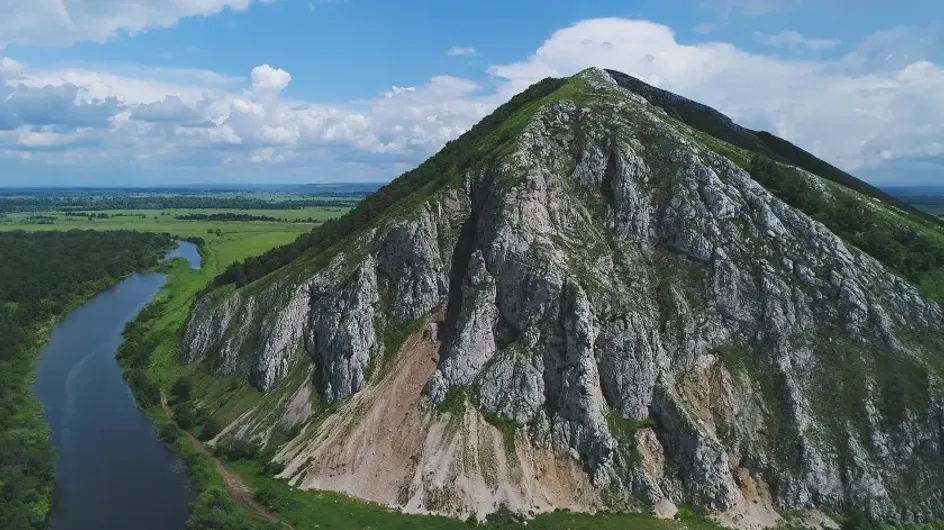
(234, 483)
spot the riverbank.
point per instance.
(111, 465)
(42, 279)
(149, 358)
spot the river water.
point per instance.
(113, 472)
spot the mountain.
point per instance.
(600, 296)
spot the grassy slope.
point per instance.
(164, 224)
(330, 510)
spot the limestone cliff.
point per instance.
(604, 307)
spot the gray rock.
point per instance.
(609, 270)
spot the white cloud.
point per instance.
(267, 78)
(48, 106)
(843, 112)
(460, 51)
(63, 22)
(859, 111)
(794, 40)
(171, 109)
(160, 120)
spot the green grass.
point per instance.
(394, 337)
(455, 401)
(508, 429)
(234, 241)
(153, 221)
(624, 431)
(329, 510)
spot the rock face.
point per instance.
(618, 293)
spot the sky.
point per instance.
(171, 92)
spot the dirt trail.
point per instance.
(240, 491)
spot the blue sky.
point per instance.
(145, 92)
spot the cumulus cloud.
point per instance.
(171, 109)
(460, 51)
(58, 22)
(863, 110)
(53, 106)
(794, 40)
(267, 78)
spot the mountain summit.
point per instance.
(601, 296)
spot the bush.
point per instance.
(182, 390)
(211, 427)
(267, 496)
(235, 449)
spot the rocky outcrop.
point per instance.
(623, 294)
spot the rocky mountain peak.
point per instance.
(588, 300)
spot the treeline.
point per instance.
(245, 217)
(474, 147)
(916, 255)
(164, 202)
(90, 215)
(43, 275)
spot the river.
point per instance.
(112, 472)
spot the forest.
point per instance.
(42, 276)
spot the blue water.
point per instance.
(188, 251)
(112, 472)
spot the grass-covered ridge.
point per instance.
(470, 150)
(906, 240)
(912, 249)
(711, 122)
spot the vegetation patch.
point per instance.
(780, 433)
(508, 429)
(849, 376)
(455, 402)
(624, 432)
(330, 510)
(394, 337)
